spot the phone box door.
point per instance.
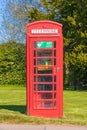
(44, 76)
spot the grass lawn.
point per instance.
(13, 107)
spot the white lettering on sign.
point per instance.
(47, 31)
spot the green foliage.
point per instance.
(35, 15)
(72, 14)
(12, 63)
(73, 17)
(77, 67)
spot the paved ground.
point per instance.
(40, 127)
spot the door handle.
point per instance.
(58, 69)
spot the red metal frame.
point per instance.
(42, 101)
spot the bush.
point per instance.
(12, 63)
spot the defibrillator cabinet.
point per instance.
(44, 56)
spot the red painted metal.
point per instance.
(44, 56)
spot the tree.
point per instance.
(15, 18)
(73, 17)
(72, 14)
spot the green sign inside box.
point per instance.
(44, 44)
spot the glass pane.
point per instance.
(54, 44)
(44, 53)
(44, 66)
(54, 103)
(44, 87)
(54, 52)
(45, 61)
(54, 86)
(44, 71)
(34, 61)
(34, 70)
(54, 95)
(48, 104)
(46, 95)
(34, 53)
(54, 78)
(43, 104)
(54, 61)
(34, 78)
(35, 44)
(34, 87)
(44, 78)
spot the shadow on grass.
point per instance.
(17, 108)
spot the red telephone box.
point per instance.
(44, 69)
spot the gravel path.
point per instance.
(40, 127)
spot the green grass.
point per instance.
(13, 107)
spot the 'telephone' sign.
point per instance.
(44, 31)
